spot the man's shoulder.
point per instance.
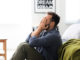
(54, 33)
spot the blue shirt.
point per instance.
(47, 43)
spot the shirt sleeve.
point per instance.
(29, 36)
(44, 41)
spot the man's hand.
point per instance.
(40, 28)
(42, 24)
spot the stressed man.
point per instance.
(43, 43)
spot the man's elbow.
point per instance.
(31, 44)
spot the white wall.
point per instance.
(60, 9)
(72, 10)
(15, 21)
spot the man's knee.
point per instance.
(23, 44)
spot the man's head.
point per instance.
(52, 20)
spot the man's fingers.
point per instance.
(44, 21)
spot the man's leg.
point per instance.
(24, 51)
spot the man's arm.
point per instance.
(37, 32)
(45, 41)
(40, 28)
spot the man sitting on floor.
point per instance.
(43, 43)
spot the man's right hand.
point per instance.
(42, 24)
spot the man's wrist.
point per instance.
(36, 32)
(39, 29)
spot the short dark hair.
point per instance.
(55, 17)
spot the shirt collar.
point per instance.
(52, 29)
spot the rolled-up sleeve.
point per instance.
(44, 41)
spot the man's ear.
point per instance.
(53, 23)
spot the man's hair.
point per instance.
(55, 18)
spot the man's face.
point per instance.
(49, 22)
(48, 19)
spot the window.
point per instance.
(72, 11)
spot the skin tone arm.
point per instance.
(40, 28)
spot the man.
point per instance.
(43, 43)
